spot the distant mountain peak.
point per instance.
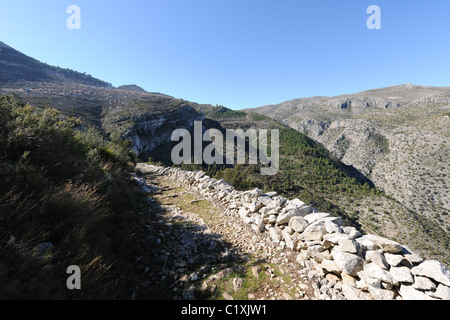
(132, 87)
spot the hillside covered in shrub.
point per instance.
(66, 198)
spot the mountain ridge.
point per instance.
(381, 90)
(308, 171)
(367, 266)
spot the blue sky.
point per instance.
(240, 54)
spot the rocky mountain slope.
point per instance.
(398, 137)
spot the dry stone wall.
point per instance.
(359, 267)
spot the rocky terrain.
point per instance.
(320, 258)
(398, 137)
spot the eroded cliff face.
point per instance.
(151, 131)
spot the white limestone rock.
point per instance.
(366, 243)
(402, 274)
(314, 231)
(267, 201)
(255, 193)
(298, 224)
(352, 232)
(433, 269)
(297, 202)
(413, 258)
(332, 225)
(352, 293)
(330, 266)
(423, 283)
(313, 217)
(407, 292)
(442, 292)
(394, 259)
(374, 271)
(244, 213)
(199, 175)
(334, 238)
(385, 244)
(255, 206)
(285, 217)
(264, 211)
(381, 294)
(377, 258)
(347, 262)
(348, 245)
(275, 234)
(278, 201)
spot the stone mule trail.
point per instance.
(189, 250)
(319, 258)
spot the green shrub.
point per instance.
(69, 188)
